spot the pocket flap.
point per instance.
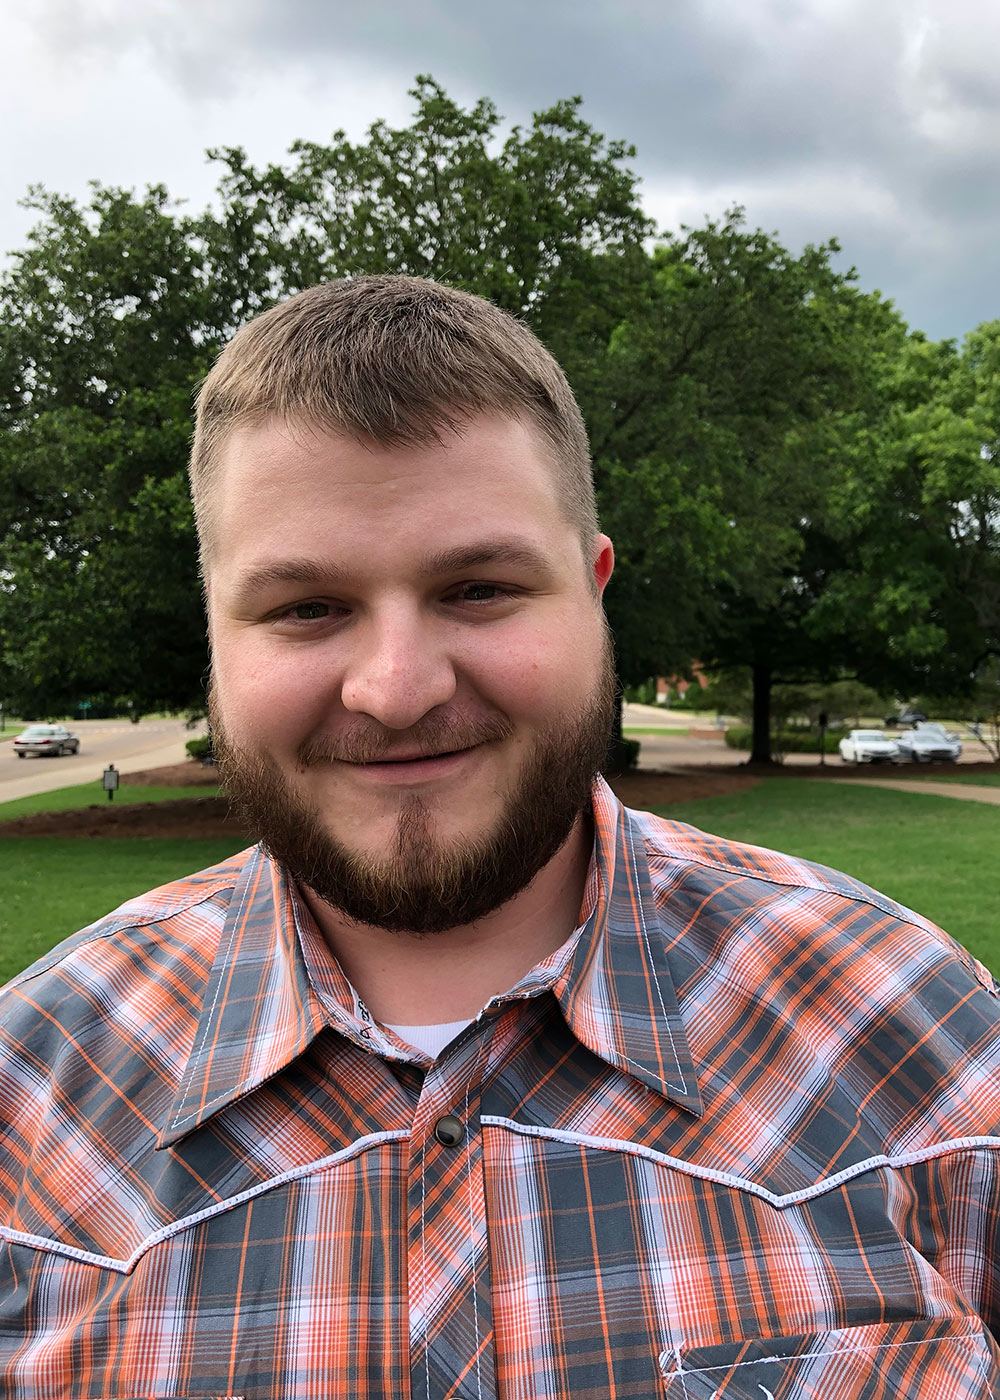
(909, 1360)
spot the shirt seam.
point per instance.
(187, 1222)
(859, 896)
(682, 1087)
(110, 925)
(969, 1336)
(878, 1162)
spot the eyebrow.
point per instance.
(315, 573)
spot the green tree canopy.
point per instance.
(113, 312)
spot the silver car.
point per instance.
(927, 742)
(39, 739)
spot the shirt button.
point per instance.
(449, 1130)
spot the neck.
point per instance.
(450, 976)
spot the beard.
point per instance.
(421, 884)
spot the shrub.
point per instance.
(199, 748)
(694, 700)
(643, 694)
(622, 755)
(740, 736)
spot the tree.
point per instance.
(114, 311)
(734, 390)
(106, 327)
(916, 514)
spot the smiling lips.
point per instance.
(411, 758)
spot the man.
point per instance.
(471, 1082)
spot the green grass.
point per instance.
(91, 794)
(957, 776)
(667, 729)
(52, 886)
(933, 854)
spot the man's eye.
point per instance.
(309, 612)
(481, 592)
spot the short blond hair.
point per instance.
(396, 361)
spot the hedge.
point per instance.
(787, 741)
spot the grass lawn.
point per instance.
(668, 729)
(50, 886)
(935, 855)
(91, 794)
(957, 776)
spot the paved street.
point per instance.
(670, 749)
(153, 743)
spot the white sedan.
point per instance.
(929, 741)
(868, 746)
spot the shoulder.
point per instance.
(804, 900)
(844, 994)
(164, 938)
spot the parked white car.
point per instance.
(868, 746)
(929, 741)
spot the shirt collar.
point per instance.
(613, 984)
(259, 1011)
(616, 991)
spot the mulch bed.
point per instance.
(208, 817)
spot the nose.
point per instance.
(398, 671)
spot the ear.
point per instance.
(603, 562)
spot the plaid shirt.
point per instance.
(738, 1138)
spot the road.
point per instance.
(670, 749)
(153, 743)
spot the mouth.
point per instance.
(412, 758)
(415, 767)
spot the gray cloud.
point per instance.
(878, 124)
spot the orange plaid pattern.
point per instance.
(739, 1137)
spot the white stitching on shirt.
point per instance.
(740, 1183)
(423, 1273)
(176, 1227)
(819, 886)
(968, 1337)
(185, 1083)
(681, 1088)
(480, 1057)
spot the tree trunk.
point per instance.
(761, 749)
(621, 755)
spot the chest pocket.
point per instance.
(921, 1360)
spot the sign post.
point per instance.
(110, 781)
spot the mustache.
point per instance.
(365, 742)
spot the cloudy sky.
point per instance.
(874, 121)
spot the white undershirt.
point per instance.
(430, 1039)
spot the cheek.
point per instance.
(534, 674)
(264, 692)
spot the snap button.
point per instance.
(449, 1130)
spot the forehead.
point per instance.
(280, 484)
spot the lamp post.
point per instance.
(110, 781)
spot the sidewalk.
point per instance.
(965, 792)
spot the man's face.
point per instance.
(411, 669)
